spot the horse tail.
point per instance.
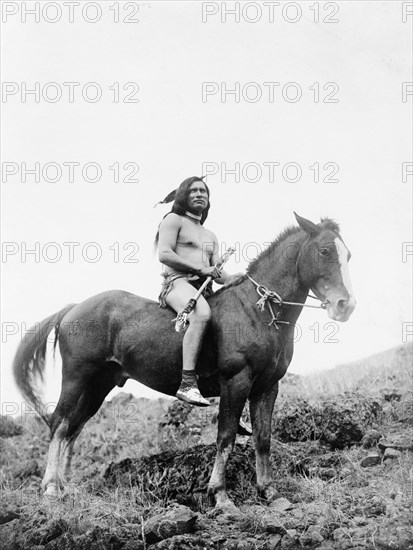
(29, 362)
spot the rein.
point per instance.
(268, 296)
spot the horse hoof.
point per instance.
(270, 493)
(51, 491)
(228, 507)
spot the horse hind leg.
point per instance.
(89, 403)
(59, 423)
(76, 375)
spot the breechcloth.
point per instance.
(194, 280)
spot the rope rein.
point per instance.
(268, 296)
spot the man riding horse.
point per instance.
(245, 352)
(189, 253)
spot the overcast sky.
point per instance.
(326, 95)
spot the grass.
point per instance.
(393, 367)
(355, 505)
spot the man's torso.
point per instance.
(194, 243)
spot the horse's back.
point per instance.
(108, 303)
(99, 323)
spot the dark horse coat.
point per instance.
(116, 335)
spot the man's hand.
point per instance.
(210, 271)
(233, 278)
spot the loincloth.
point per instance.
(194, 280)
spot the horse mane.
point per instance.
(326, 223)
(285, 233)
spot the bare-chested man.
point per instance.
(189, 251)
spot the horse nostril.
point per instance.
(341, 305)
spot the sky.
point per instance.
(292, 112)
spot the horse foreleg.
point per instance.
(261, 409)
(233, 396)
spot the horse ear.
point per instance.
(308, 226)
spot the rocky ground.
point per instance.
(343, 464)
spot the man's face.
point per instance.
(198, 197)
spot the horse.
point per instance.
(116, 335)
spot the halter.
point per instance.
(268, 296)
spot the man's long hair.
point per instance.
(180, 205)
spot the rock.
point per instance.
(274, 542)
(218, 538)
(315, 534)
(281, 504)
(316, 537)
(360, 521)
(395, 534)
(48, 532)
(290, 540)
(115, 538)
(399, 444)
(391, 453)
(312, 536)
(372, 459)
(375, 506)
(339, 421)
(8, 515)
(276, 527)
(370, 438)
(187, 542)
(391, 394)
(182, 475)
(245, 545)
(176, 520)
(339, 534)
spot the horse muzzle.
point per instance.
(340, 309)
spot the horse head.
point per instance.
(323, 267)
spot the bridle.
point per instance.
(268, 296)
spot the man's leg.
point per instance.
(177, 299)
